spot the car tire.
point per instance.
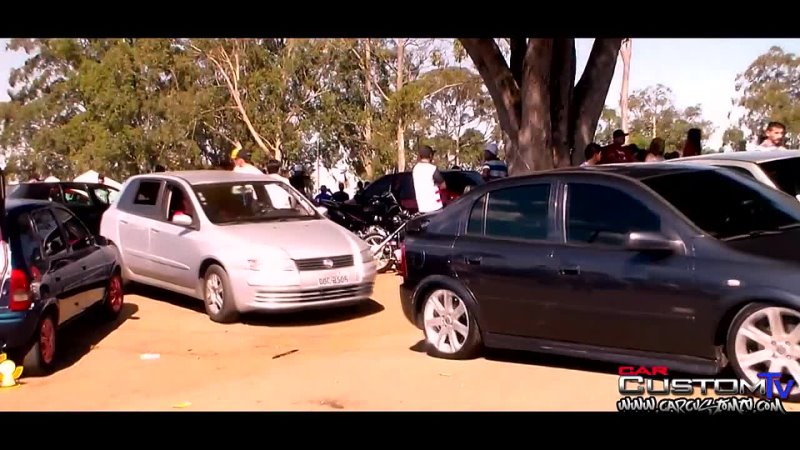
(40, 358)
(114, 298)
(218, 296)
(447, 319)
(753, 346)
(375, 238)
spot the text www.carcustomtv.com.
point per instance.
(641, 393)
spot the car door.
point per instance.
(505, 258)
(176, 249)
(81, 202)
(88, 258)
(59, 276)
(136, 214)
(612, 296)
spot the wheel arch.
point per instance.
(736, 304)
(208, 262)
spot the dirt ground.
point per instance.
(363, 358)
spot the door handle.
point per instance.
(84, 267)
(124, 222)
(570, 270)
(154, 230)
(473, 260)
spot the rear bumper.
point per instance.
(408, 304)
(16, 329)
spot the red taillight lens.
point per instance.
(402, 270)
(20, 292)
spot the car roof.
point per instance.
(638, 171)
(195, 177)
(748, 156)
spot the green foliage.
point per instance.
(769, 90)
(733, 135)
(654, 114)
(609, 121)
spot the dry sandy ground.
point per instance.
(364, 358)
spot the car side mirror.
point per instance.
(322, 210)
(649, 242)
(182, 220)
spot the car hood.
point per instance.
(299, 239)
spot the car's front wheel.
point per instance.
(451, 330)
(766, 338)
(218, 296)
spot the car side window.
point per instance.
(77, 233)
(77, 195)
(49, 233)
(598, 214)
(105, 195)
(29, 243)
(178, 202)
(476, 216)
(147, 193)
(378, 187)
(518, 212)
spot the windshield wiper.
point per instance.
(757, 233)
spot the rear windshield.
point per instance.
(785, 173)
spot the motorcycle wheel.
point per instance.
(384, 258)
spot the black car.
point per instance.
(686, 266)
(402, 186)
(53, 270)
(87, 200)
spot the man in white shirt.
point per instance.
(241, 159)
(774, 137)
(428, 182)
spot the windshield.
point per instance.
(727, 205)
(252, 201)
(785, 173)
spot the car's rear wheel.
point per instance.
(766, 338)
(384, 258)
(40, 359)
(115, 297)
(450, 328)
(218, 296)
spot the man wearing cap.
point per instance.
(493, 168)
(614, 152)
(428, 182)
(241, 160)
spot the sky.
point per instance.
(697, 70)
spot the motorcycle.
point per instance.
(380, 224)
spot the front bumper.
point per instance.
(302, 291)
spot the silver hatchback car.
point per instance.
(239, 242)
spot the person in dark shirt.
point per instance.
(614, 152)
(324, 194)
(340, 196)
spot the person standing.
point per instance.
(340, 196)
(592, 154)
(614, 152)
(428, 182)
(274, 170)
(242, 163)
(324, 194)
(693, 145)
(655, 152)
(773, 137)
(493, 168)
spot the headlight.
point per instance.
(271, 265)
(366, 255)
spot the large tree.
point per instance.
(769, 90)
(541, 110)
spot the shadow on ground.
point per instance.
(294, 319)
(79, 337)
(539, 359)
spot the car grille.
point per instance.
(315, 295)
(336, 262)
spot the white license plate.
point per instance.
(334, 280)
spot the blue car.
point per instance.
(53, 270)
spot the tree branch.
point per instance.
(535, 129)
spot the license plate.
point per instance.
(333, 280)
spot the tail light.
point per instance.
(402, 270)
(20, 292)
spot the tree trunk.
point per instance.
(401, 140)
(625, 53)
(543, 116)
(368, 156)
